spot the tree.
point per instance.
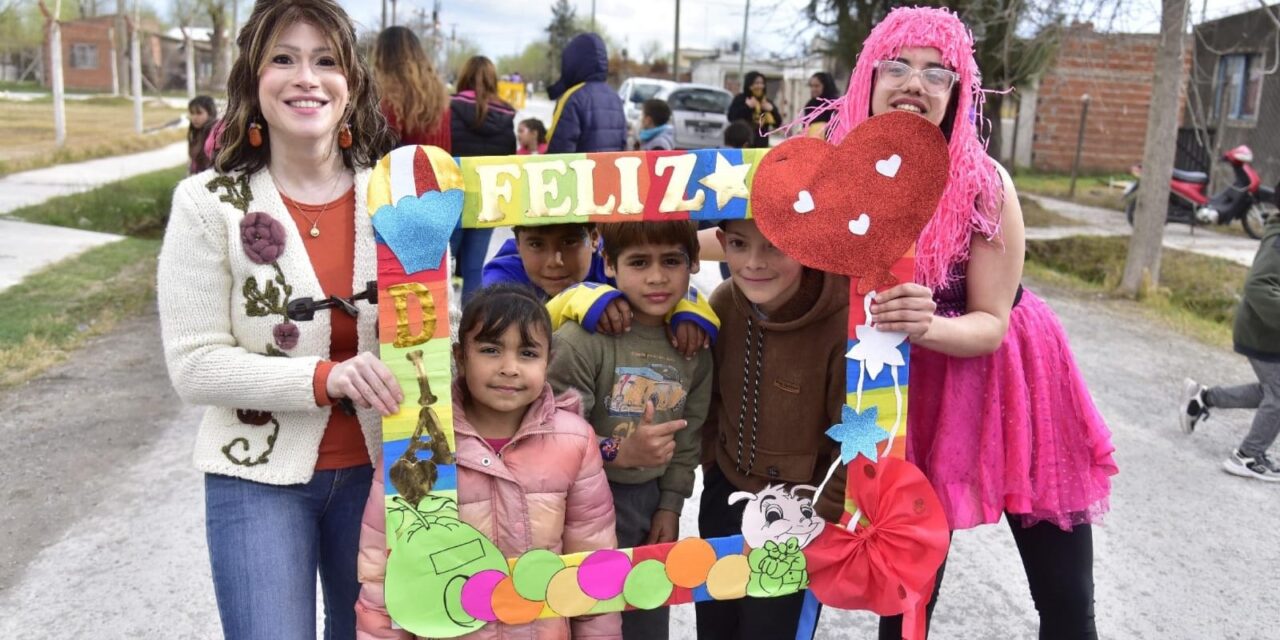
(531, 64)
(459, 50)
(217, 12)
(562, 29)
(651, 50)
(1142, 264)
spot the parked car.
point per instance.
(697, 113)
(634, 91)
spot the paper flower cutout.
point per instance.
(858, 433)
(877, 348)
(262, 237)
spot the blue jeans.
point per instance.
(469, 246)
(267, 542)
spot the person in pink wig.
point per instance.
(1000, 420)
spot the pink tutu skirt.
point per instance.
(1013, 431)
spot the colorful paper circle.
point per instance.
(728, 578)
(565, 597)
(510, 607)
(689, 561)
(533, 571)
(647, 586)
(477, 594)
(603, 573)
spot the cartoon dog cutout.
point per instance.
(777, 523)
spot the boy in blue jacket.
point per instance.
(553, 259)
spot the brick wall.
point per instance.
(93, 55)
(1115, 70)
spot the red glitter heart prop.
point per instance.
(856, 207)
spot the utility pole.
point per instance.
(135, 68)
(593, 15)
(742, 48)
(394, 21)
(675, 56)
(55, 61)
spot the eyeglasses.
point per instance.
(935, 81)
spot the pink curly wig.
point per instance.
(974, 192)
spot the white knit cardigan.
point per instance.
(215, 349)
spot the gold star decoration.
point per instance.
(729, 181)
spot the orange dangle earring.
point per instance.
(255, 135)
(344, 136)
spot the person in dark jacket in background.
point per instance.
(588, 115)
(753, 107)
(481, 125)
(822, 91)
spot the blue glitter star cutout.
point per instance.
(857, 433)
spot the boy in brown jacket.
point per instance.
(779, 385)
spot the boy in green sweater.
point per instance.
(1256, 335)
(645, 399)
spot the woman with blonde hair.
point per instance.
(482, 125)
(414, 100)
(255, 256)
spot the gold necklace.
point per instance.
(315, 224)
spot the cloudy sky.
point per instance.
(503, 27)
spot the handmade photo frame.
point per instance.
(854, 209)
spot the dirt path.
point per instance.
(104, 515)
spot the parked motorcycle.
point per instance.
(1189, 202)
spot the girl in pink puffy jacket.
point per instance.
(530, 474)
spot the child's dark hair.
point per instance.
(737, 135)
(620, 236)
(499, 306)
(535, 125)
(197, 137)
(584, 227)
(658, 111)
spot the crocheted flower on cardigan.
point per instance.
(263, 240)
(262, 237)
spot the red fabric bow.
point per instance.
(888, 566)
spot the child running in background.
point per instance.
(531, 135)
(203, 113)
(645, 400)
(522, 452)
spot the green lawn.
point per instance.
(1197, 294)
(138, 206)
(1093, 190)
(54, 310)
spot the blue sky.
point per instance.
(503, 27)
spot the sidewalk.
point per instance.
(27, 247)
(1097, 221)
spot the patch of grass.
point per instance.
(54, 310)
(1034, 215)
(1093, 190)
(98, 127)
(30, 85)
(1197, 295)
(138, 206)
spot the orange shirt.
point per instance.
(333, 256)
